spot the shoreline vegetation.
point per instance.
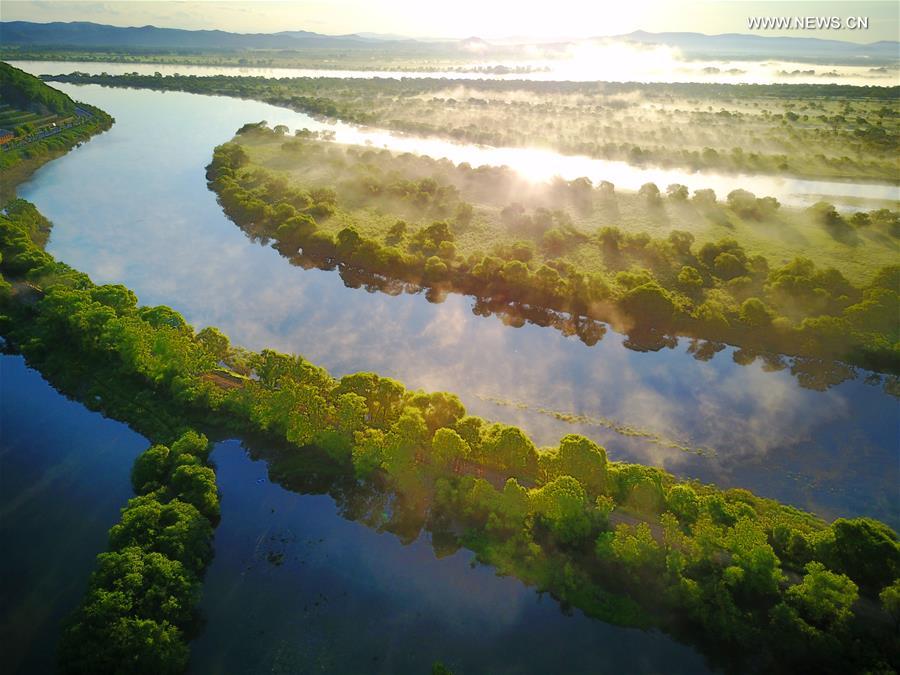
(390, 220)
(751, 582)
(46, 124)
(814, 131)
(275, 59)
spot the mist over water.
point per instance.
(541, 164)
(132, 207)
(586, 62)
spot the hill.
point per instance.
(26, 92)
(86, 36)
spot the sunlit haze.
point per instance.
(494, 20)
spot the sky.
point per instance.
(489, 19)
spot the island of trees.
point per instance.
(140, 607)
(552, 248)
(757, 584)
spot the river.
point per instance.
(541, 164)
(132, 207)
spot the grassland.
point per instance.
(779, 237)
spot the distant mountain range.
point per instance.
(86, 35)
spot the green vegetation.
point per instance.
(19, 89)
(140, 607)
(45, 123)
(422, 58)
(416, 220)
(752, 581)
(815, 131)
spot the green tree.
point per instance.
(823, 599)
(215, 341)
(728, 266)
(197, 485)
(151, 469)
(509, 449)
(682, 500)
(757, 568)
(649, 304)
(585, 461)
(637, 549)
(108, 642)
(689, 278)
(890, 600)
(151, 585)
(368, 451)
(754, 313)
(865, 550)
(561, 503)
(176, 529)
(448, 447)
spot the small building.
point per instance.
(6, 136)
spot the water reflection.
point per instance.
(291, 569)
(811, 373)
(64, 475)
(132, 207)
(300, 582)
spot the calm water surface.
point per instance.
(64, 475)
(294, 588)
(132, 207)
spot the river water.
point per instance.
(132, 207)
(64, 477)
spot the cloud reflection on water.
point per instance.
(132, 207)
